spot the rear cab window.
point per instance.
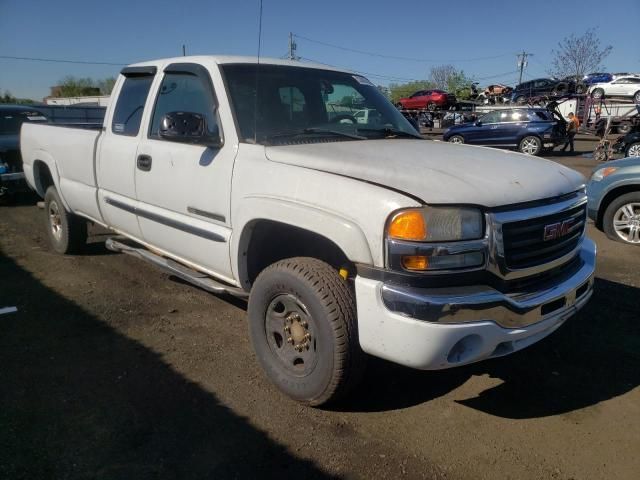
(129, 108)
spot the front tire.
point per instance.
(530, 145)
(636, 97)
(459, 139)
(67, 232)
(597, 93)
(303, 327)
(633, 150)
(621, 219)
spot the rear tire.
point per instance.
(431, 107)
(67, 232)
(304, 330)
(597, 93)
(530, 145)
(624, 128)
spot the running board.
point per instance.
(172, 267)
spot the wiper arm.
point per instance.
(313, 131)
(391, 132)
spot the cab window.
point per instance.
(130, 105)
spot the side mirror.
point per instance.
(478, 123)
(188, 127)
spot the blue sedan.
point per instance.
(529, 130)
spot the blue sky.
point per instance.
(453, 32)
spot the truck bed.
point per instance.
(69, 153)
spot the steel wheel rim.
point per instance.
(626, 222)
(290, 333)
(634, 151)
(529, 146)
(55, 220)
(457, 140)
(597, 94)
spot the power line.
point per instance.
(57, 60)
(395, 57)
(387, 77)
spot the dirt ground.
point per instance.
(112, 370)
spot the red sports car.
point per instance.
(429, 99)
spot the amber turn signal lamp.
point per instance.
(415, 262)
(408, 225)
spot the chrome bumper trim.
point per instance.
(482, 303)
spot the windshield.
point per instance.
(318, 104)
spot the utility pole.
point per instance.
(292, 47)
(522, 62)
(184, 50)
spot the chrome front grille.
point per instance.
(529, 243)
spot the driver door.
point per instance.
(184, 189)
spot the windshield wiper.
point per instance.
(389, 132)
(314, 131)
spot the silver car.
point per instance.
(614, 199)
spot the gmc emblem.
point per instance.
(557, 230)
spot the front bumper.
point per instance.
(440, 328)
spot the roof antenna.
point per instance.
(255, 106)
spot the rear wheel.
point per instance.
(581, 88)
(456, 139)
(530, 145)
(633, 150)
(621, 220)
(636, 97)
(597, 93)
(431, 106)
(67, 232)
(303, 326)
(624, 128)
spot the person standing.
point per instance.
(572, 129)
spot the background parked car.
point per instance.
(620, 87)
(535, 88)
(629, 144)
(598, 77)
(11, 119)
(429, 99)
(614, 200)
(530, 130)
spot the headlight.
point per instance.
(436, 238)
(436, 224)
(602, 173)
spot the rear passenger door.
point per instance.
(118, 147)
(184, 189)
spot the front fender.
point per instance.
(345, 233)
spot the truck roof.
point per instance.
(229, 59)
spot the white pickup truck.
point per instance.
(348, 238)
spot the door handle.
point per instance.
(144, 163)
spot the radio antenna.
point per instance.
(255, 106)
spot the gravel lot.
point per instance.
(112, 370)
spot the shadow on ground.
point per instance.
(80, 400)
(595, 356)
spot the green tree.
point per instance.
(71, 86)
(449, 78)
(401, 90)
(106, 85)
(9, 98)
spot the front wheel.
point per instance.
(67, 232)
(530, 145)
(456, 139)
(597, 93)
(431, 107)
(621, 219)
(303, 327)
(633, 150)
(636, 97)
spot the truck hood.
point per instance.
(437, 172)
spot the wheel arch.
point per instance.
(291, 230)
